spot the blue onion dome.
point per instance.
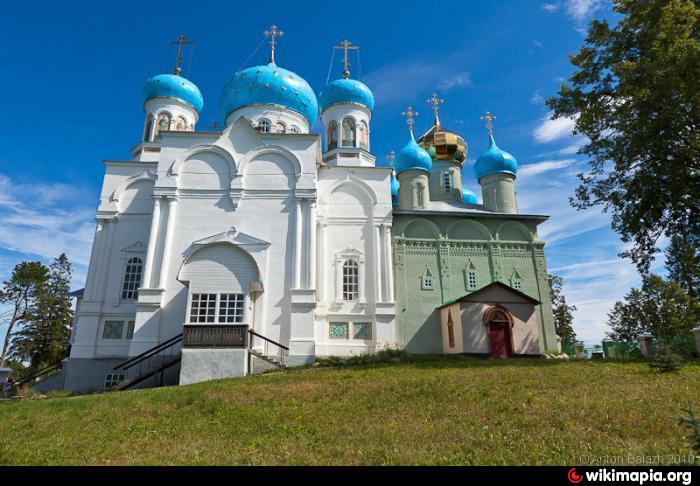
(495, 160)
(413, 156)
(469, 197)
(346, 90)
(394, 189)
(269, 85)
(173, 86)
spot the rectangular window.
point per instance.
(471, 279)
(113, 330)
(130, 329)
(362, 330)
(446, 182)
(419, 196)
(339, 330)
(351, 280)
(231, 308)
(203, 308)
(518, 284)
(113, 379)
(427, 283)
(132, 279)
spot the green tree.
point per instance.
(660, 307)
(635, 94)
(563, 313)
(683, 262)
(19, 295)
(44, 338)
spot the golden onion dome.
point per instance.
(443, 144)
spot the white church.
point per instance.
(222, 253)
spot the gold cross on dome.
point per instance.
(181, 43)
(346, 47)
(489, 119)
(390, 158)
(272, 33)
(409, 114)
(436, 102)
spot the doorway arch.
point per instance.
(499, 325)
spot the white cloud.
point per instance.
(537, 97)
(44, 220)
(400, 81)
(459, 80)
(550, 7)
(536, 168)
(550, 130)
(582, 10)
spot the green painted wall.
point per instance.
(446, 245)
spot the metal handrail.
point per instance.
(148, 353)
(282, 346)
(40, 372)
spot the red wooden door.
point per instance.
(498, 339)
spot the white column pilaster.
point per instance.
(105, 258)
(152, 239)
(167, 242)
(298, 251)
(388, 264)
(94, 268)
(377, 264)
(312, 245)
(321, 262)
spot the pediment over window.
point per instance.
(233, 236)
(137, 247)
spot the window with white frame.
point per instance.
(231, 308)
(351, 280)
(264, 126)
(426, 280)
(132, 278)
(113, 379)
(446, 181)
(471, 279)
(113, 330)
(203, 308)
(517, 284)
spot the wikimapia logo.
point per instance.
(638, 477)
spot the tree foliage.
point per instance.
(660, 307)
(635, 94)
(44, 338)
(683, 262)
(563, 313)
(19, 295)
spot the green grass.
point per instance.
(431, 411)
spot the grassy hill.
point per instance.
(431, 411)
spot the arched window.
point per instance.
(450, 330)
(163, 124)
(132, 279)
(349, 133)
(280, 127)
(294, 129)
(149, 128)
(264, 126)
(446, 182)
(332, 136)
(180, 124)
(420, 197)
(351, 280)
(364, 135)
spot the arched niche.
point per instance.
(512, 231)
(349, 199)
(206, 170)
(137, 198)
(421, 229)
(219, 267)
(468, 230)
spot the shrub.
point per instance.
(666, 361)
(692, 424)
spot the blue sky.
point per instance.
(72, 97)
